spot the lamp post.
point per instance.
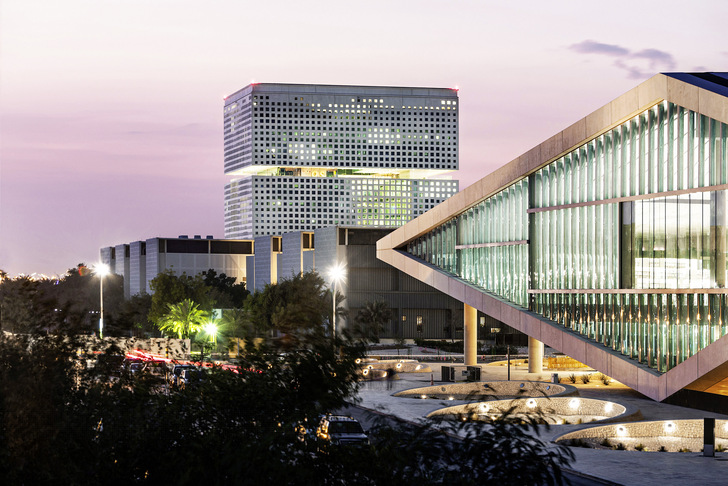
(337, 274)
(101, 270)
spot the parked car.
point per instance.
(152, 372)
(156, 371)
(190, 377)
(341, 430)
(174, 376)
(135, 367)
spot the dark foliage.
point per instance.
(225, 292)
(300, 302)
(80, 419)
(169, 289)
(70, 303)
(66, 424)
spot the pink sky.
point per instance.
(111, 111)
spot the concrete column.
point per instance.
(470, 335)
(535, 355)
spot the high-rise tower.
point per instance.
(309, 156)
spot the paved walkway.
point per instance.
(618, 467)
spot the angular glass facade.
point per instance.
(485, 245)
(622, 240)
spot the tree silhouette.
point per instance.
(372, 318)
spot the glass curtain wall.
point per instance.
(485, 245)
(600, 242)
(675, 242)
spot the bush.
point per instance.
(501, 349)
(446, 346)
(586, 378)
(66, 424)
(578, 443)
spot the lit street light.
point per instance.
(101, 270)
(211, 330)
(337, 273)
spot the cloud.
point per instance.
(656, 57)
(636, 64)
(593, 47)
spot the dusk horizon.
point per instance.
(111, 114)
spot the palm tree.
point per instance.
(372, 318)
(183, 319)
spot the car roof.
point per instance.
(340, 418)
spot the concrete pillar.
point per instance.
(470, 335)
(535, 355)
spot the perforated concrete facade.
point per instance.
(310, 156)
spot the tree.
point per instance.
(67, 423)
(78, 291)
(169, 289)
(133, 315)
(295, 304)
(225, 292)
(371, 319)
(19, 299)
(183, 319)
(64, 423)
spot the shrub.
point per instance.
(572, 378)
(639, 447)
(586, 378)
(579, 443)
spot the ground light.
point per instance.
(101, 270)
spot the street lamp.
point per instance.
(337, 273)
(101, 270)
(211, 330)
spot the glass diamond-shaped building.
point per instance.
(607, 242)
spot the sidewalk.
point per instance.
(620, 467)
